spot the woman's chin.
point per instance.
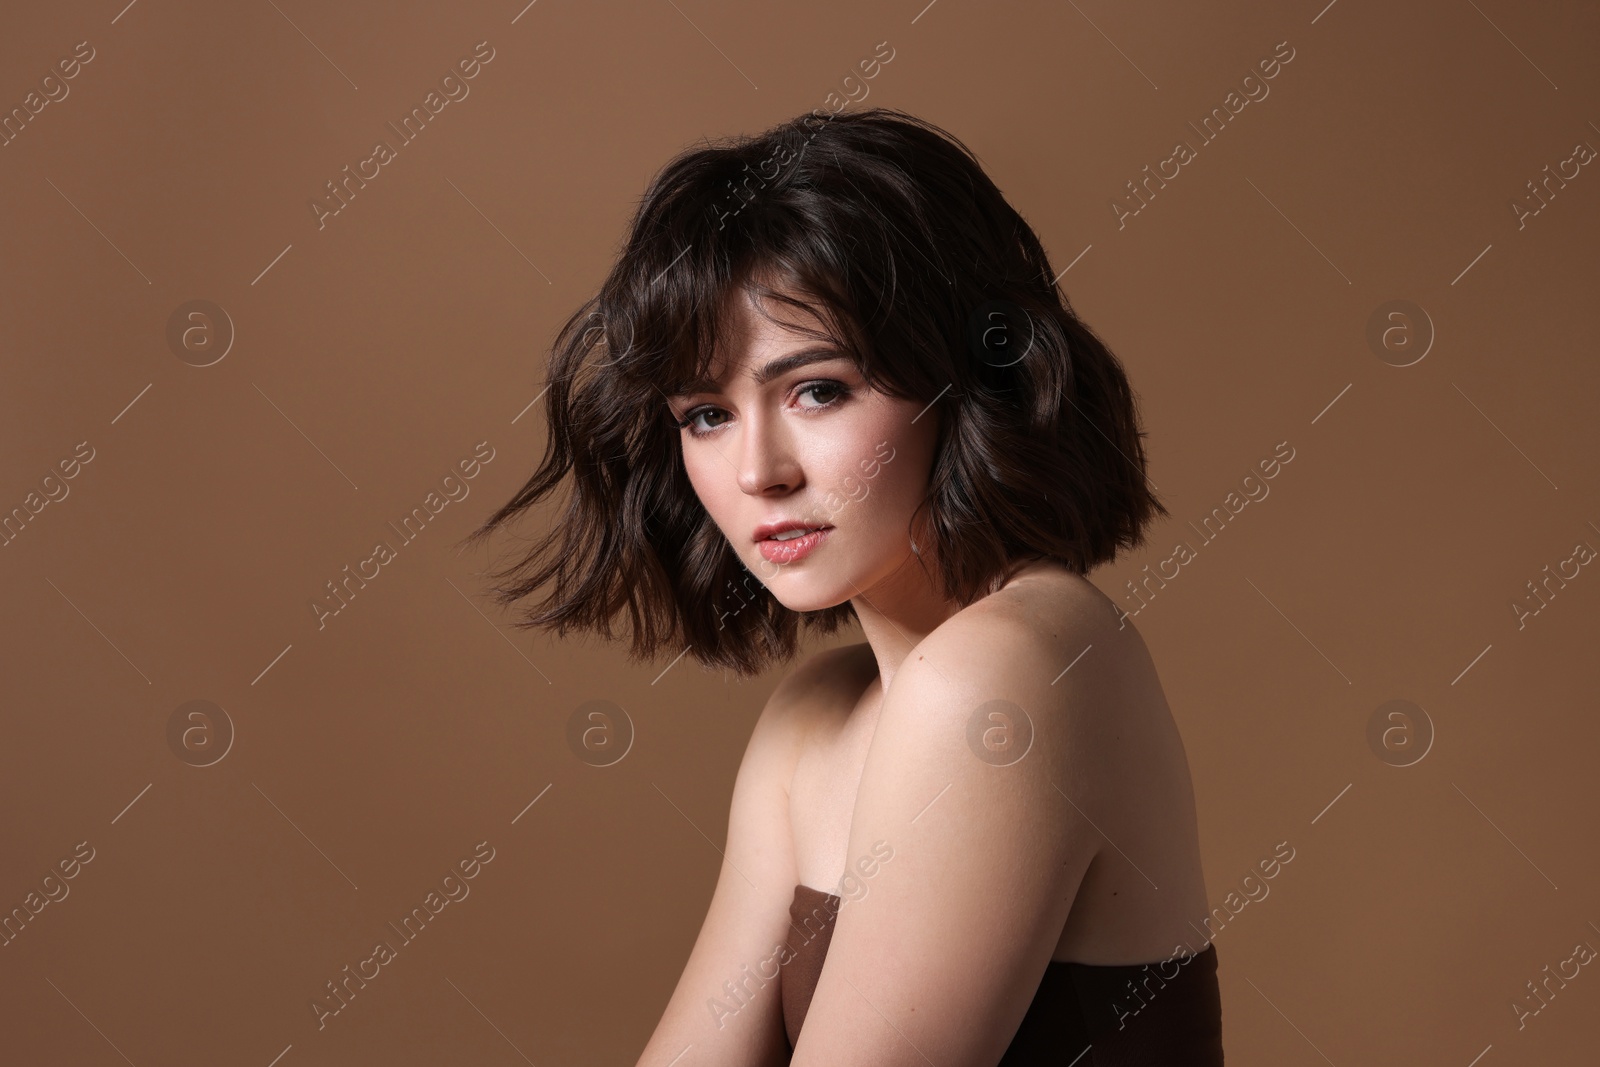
(810, 604)
(805, 594)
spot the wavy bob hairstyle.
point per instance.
(886, 229)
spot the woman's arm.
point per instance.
(939, 959)
(740, 1024)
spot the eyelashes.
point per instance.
(838, 390)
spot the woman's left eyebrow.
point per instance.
(777, 368)
(774, 368)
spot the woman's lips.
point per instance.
(793, 549)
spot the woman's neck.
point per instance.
(898, 612)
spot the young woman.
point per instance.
(831, 379)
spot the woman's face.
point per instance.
(790, 433)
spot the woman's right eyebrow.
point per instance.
(774, 368)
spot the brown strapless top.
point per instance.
(1166, 1012)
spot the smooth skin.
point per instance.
(1084, 849)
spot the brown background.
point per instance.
(371, 355)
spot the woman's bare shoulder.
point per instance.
(1048, 603)
(1051, 637)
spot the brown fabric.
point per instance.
(1165, 1013)
(811, 917)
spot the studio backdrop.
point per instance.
(281, 280)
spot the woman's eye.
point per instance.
(830, 391)
(693, 425)
(825, 394)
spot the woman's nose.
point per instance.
(766, 460)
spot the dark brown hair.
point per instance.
(886, 229)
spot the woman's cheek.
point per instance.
(703, 480)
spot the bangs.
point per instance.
(672, 333)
